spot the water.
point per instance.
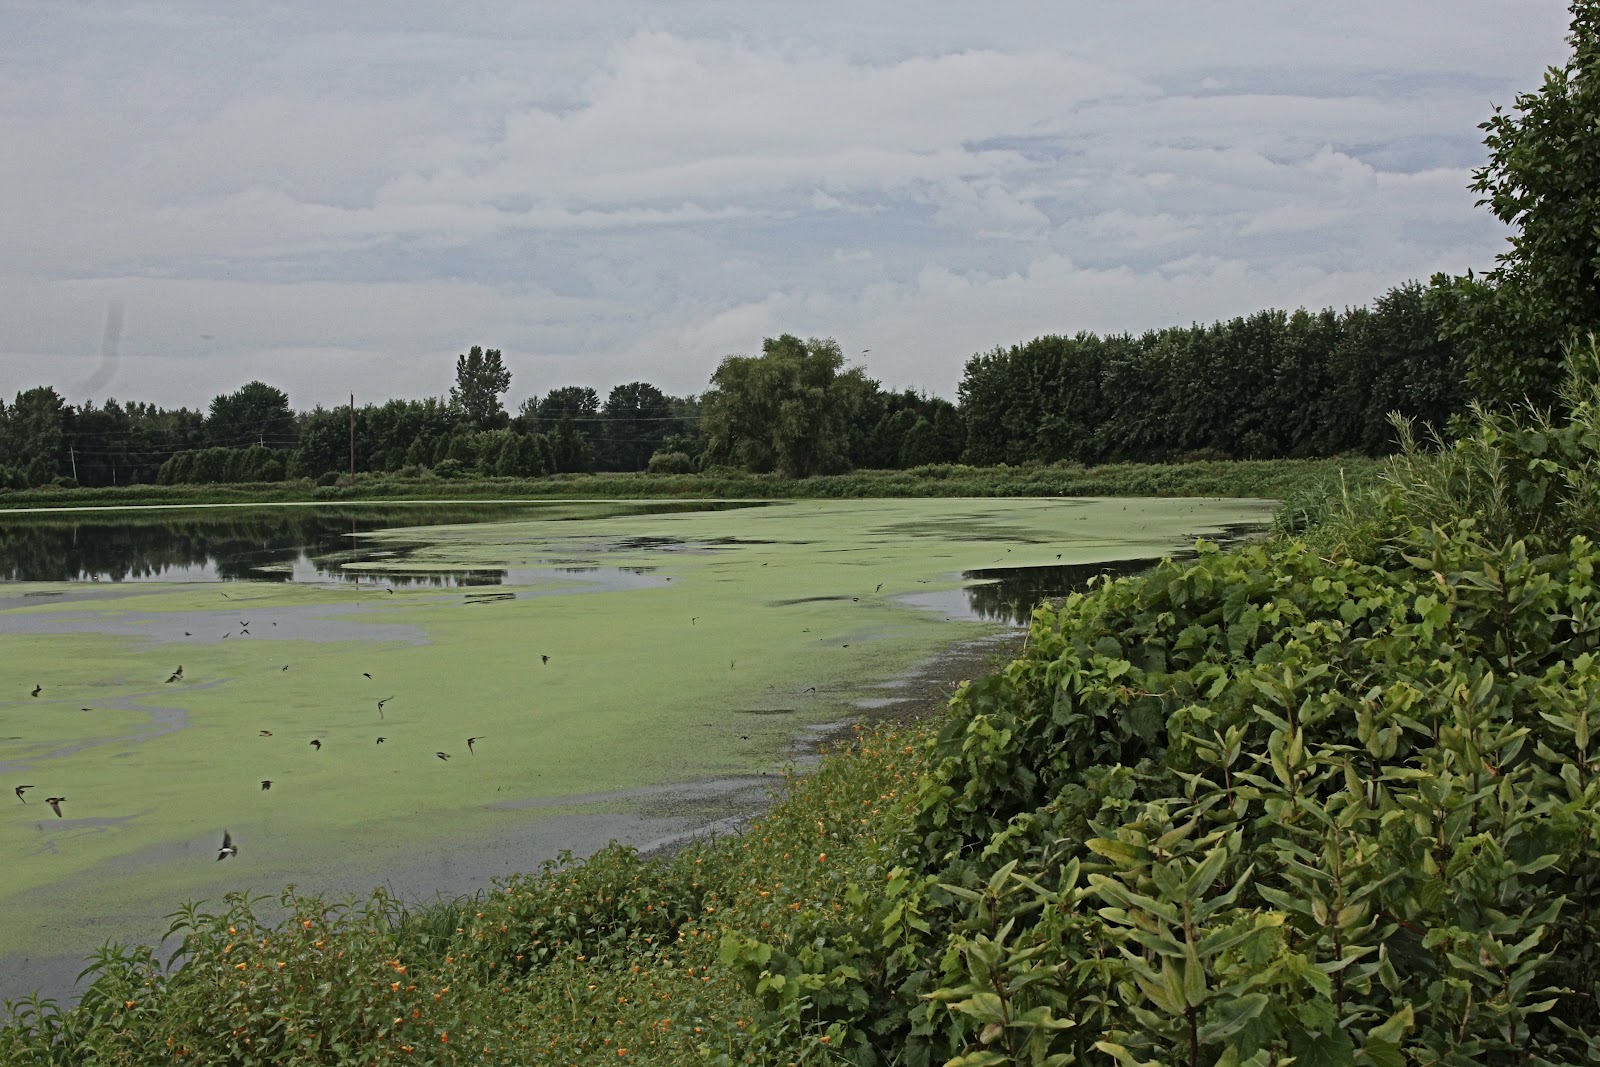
(291, 544)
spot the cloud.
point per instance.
(344, 198)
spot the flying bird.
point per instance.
(176, 674)
(442, 755)
(19, 790)
(227, 635)
(244, 622)
(381, 740)
(244, 633)
(266, 784)
(55, 805)
(228, 848)
(266, 733)
(381, 703)
(186, 633)
(316, 743)
(367, 676)
(37, 689)
(285, 666)
(543, 659)
(470, 740)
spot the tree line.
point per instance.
(1269, 385)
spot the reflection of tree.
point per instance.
(1009, 594)
(260, 546)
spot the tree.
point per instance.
(255, 413)
(788, 409)
(569, 403)
(638, 417)
(480, 379)
(31, 436)
(1543, 180)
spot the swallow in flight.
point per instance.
(55, 804)
(176, 674)
(37, 690)
(316, 743)
(19, 790)
(228, 848)
(470, 740)
(266, 784)
(381, 740)
(442, 755)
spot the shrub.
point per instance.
(670, 463)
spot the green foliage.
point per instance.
(1543, 180)
(480, 379)
(787, 410)
(1264, 386)
(670, 463)
(255, 413)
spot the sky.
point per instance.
(341, 198)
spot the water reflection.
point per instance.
(266, 545)
(1009, 594)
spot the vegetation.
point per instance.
(1543, 180)
(1300, 480)
(1337, 803)
(1266, 386)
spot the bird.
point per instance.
(266, 733)
(228, 848)
(381, 703)
(244, 633)
(285, 666)
(55, 805)
(442, 755)
(225, 596)
(381, 740)
(316, 743)
(19, 790)
(470, 740)
(367, 676)
(694, 620)
(186, 633)
(244, 622)
(879, 589)
(176, 674)
(266, 784)
(227, 635)
(37, 689)
(544, 659)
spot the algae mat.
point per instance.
(734, 630)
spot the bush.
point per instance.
(327, 478)
(62, 481)
(670, 463)
(449, 468)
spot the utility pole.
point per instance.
(352, 435)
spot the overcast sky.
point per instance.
(342, 197)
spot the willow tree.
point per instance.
(787, 410)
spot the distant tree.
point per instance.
(255, 413)
(637, 418)
(480, 379)
(571, 403)
(1543, 180)
(788, 410)
(32, 437)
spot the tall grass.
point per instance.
(1266, 479)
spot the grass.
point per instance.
(635, 693)
(1275, 479)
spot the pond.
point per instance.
(631, 673)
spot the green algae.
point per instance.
(575, 691)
